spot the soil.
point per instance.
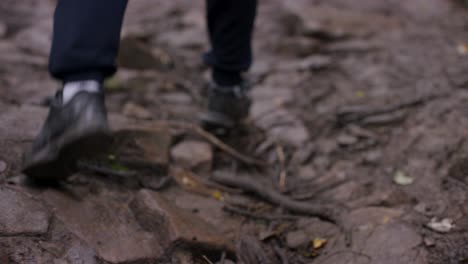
(361, 106)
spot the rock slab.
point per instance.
(21, 214)
(193, 154)
(107, 225)
(143, 146)
(176, 227)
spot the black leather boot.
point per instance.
(71, 131)
(227, 107)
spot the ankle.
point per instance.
(70, 89)
(226, 78)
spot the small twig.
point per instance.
(280, 154)
(219, 144)
(314, 192)
(325, 212)
(223, 258)
(282, 160)
(104, 170)
(357, 113)
(205, 258)
(242, 212)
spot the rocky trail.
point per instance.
(356, 151)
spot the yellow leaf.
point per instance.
(318, 243)
(360, 94)
(218, 196)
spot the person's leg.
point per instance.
(230, 27)
(86, 39)
(84, 48)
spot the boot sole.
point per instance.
(57, 161)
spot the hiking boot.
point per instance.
(72, 130)
(228, 106)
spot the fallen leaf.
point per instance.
(360, 94)
(218, 196)
(318, 243)
(401, 178)
(442, 226)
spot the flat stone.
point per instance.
(281, 124)
(107, 225)
(175, 227)
(190, 154)
(21, 214)
(145, 146)
(207, 208)
(70, 250)
(393, 243)
(268, 112)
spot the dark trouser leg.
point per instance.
(86, 39)
(230, 27)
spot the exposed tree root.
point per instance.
(331, 213)
(268, 217)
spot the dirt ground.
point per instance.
(360, 121)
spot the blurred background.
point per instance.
(361, 103)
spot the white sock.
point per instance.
(70, 89)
